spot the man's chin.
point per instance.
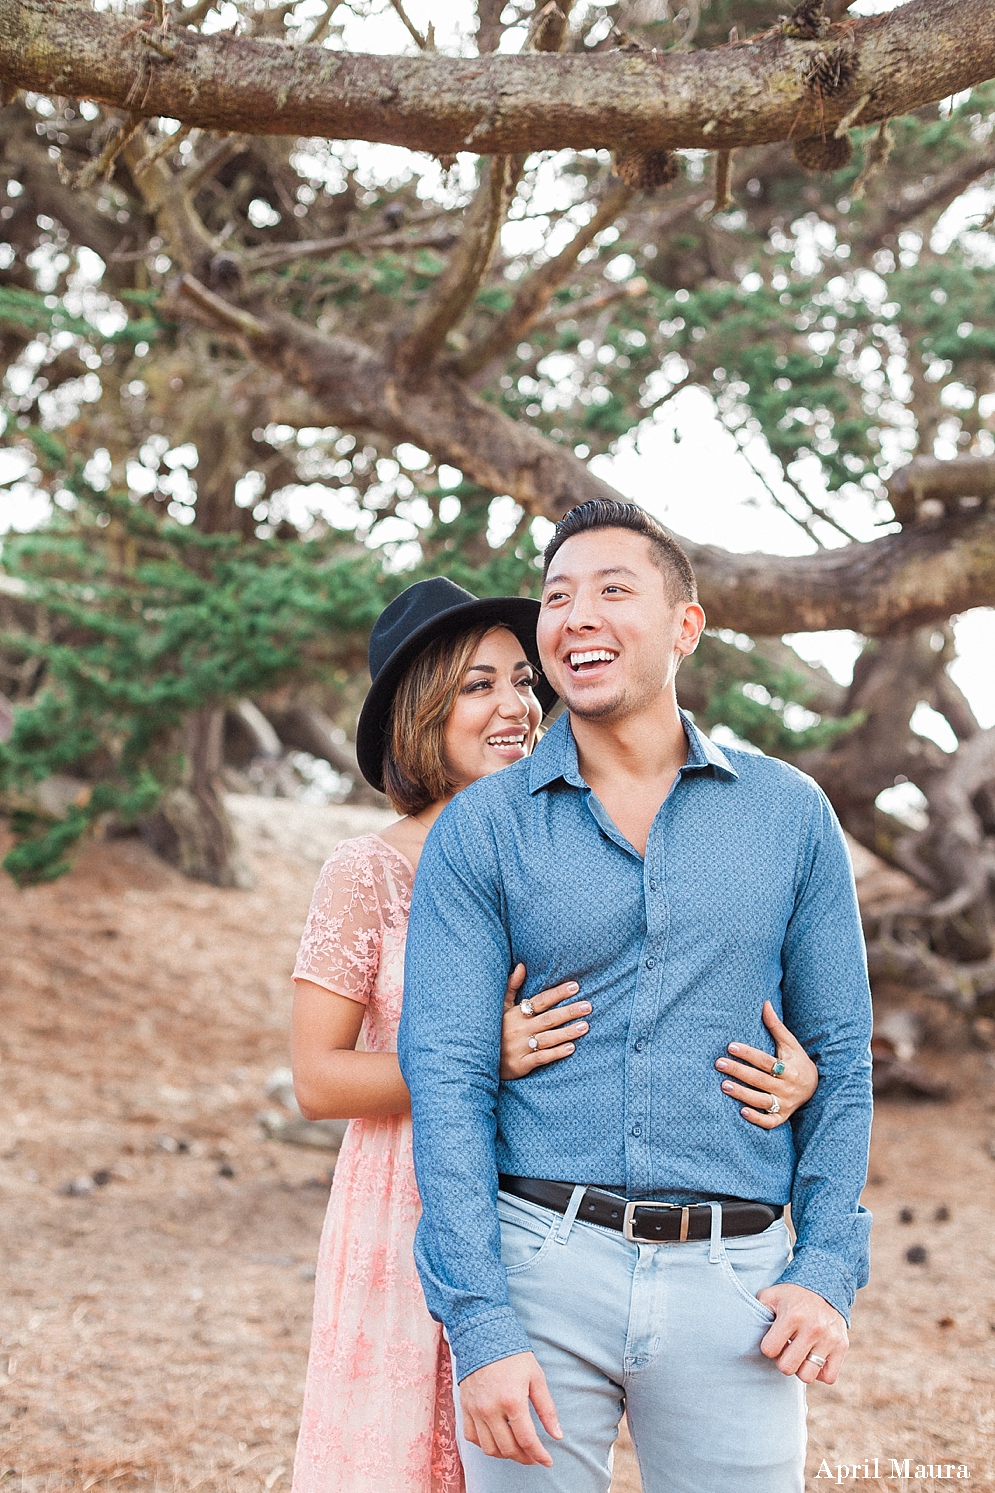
(597, 709)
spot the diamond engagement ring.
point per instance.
(534, 1043)
(775, 1108)
(814, 1358)
(527, 1009)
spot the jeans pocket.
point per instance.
(754, 1261)
(525, 1236)
(764, 1313)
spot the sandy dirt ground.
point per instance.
(158, 1251)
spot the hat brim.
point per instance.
(518, 613)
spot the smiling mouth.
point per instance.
(510, 741)
(588, 661)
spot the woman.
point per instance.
(455, 695)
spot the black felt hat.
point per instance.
(426, 611)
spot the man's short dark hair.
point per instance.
(607, 513)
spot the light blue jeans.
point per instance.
(669, 1333)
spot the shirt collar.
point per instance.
(556, 756)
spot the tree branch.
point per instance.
(943, 481)
(886, 585)
(420, 41)
(536, 291)
(607, 296)
(195, 175)
(893, 584)
(468, 263)
(746, 93)
(268, 258)
(943, 190)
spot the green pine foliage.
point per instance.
(150, 620)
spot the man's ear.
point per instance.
(692, 627)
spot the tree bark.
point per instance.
(746, 93)
(190, 828)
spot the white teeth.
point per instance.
(594, 656)
(518, 740)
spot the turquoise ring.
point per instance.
(777, 1069)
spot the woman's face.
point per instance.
(496, 715)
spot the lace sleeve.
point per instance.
(340, 947)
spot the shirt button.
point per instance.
(654, 886)
(640, 1045)
(650, 963)
(637, 1130)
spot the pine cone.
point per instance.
(833, 71)
(807, 21)
(647, 170)
(830, 154)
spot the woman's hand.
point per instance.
(757, 1085)
(549, 1028)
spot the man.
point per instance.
(635, 1256)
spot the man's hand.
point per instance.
(495, 1402)
(804, 1323)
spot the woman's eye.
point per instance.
(477, 687)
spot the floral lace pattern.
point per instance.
(378, 1403)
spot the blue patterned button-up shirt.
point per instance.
(745, 892)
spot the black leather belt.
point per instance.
(645, 1222)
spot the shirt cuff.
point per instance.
(485, 1338)
(825, 1274)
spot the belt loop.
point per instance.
(576, 1198)
(715, 1238)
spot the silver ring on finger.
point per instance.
(534, 1044)
(775, 1108)
(814, 1358)
(527, 1008)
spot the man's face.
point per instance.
(610, 638)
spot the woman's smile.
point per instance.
(509, 745)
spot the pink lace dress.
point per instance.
(378, 1403)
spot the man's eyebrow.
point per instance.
(608, 570)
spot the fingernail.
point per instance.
(573, 987)
(582, 1026)
(735, 1047)
(721, 1063)
(727, 1087)
(585, 1007)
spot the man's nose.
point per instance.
(584, 615)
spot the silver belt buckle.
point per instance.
(628, 1218)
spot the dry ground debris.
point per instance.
(158, 1252)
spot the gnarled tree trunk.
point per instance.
(190, 828)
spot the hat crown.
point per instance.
(419, 604)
